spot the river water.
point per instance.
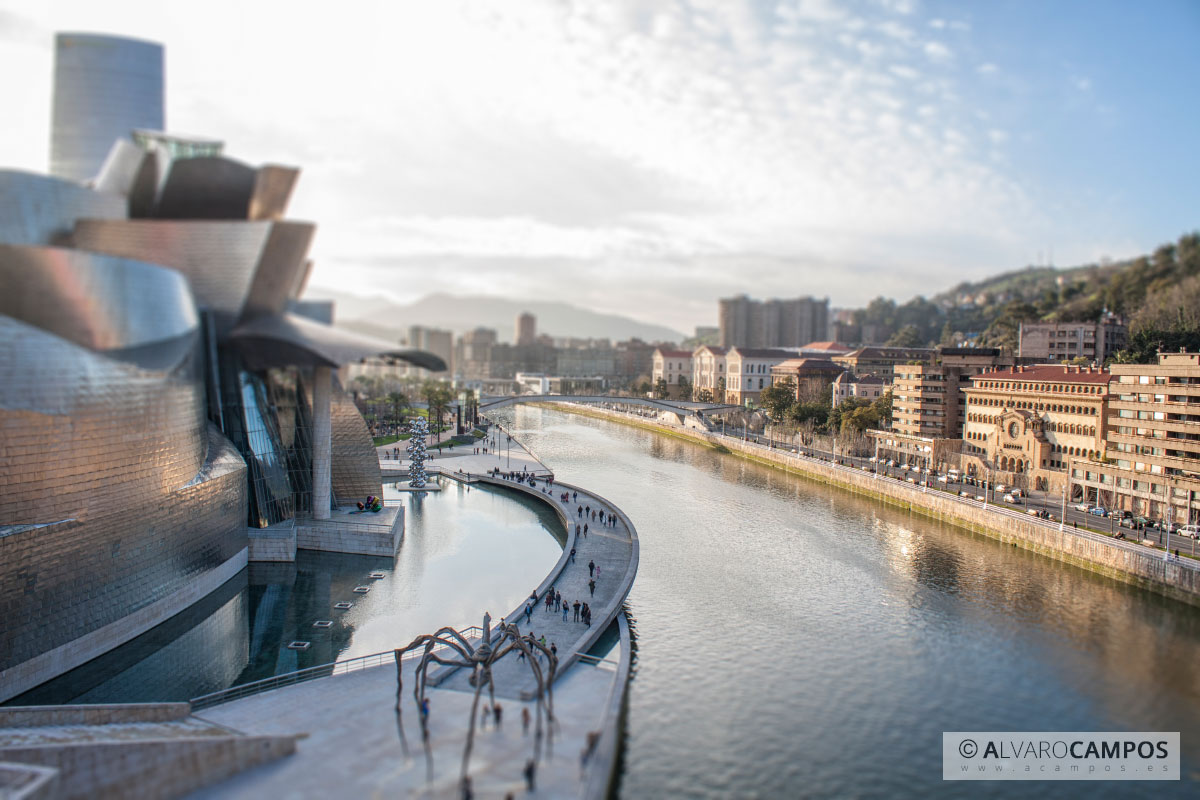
(792, 640)
(797, 641)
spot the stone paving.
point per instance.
(352, 747)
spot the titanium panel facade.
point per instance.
(355, 464)
(98, 302)
(114, 493)
(39, 209)
(104, 87)
(219, 259)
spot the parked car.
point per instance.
(1084, 507)
(1098, 511)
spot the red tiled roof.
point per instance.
(808, 365)
(674, 353)
(1058, 373)
(841, 348)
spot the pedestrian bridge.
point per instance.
(679, 408)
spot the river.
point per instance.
(792, 640)
(799, 641)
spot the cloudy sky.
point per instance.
(648, 157)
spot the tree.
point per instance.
(644, 389)
(437, 396)
(778, 398)
(704, 396)
(908, 336)
(684, 388)
(719, 394)
(1005, 329)
(398, 403)
(661, 390)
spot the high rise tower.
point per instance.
(104, 88)
(526, 328)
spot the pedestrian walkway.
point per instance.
(351, 745)
(614, 552)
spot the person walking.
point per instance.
(564, 608)
(575, 497)
(530, 773)
(579, 512)
(554, 650)
(496, 714)
(572, 555)
(585, 529)
(597, 572)
(576, 607)
(592, 586)
(524, 720)
(591, 568)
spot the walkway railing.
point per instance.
(311, 673)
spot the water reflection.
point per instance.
(798, 641)
(464, 552)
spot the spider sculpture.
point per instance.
(479, 658)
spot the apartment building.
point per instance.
(1153, 441)
(882, 361)
(1031, 420)
(774, 323)
(868, 387)
(1065, 341)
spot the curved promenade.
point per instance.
(350, 745)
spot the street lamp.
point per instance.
(1062, 523)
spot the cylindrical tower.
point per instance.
(104, 87)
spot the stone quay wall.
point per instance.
(1123, 561)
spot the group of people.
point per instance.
(555, 603)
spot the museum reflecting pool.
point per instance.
(464, 552)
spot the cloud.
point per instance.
(625, 150)
(936, 51)
(987, 68)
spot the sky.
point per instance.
(646, 158)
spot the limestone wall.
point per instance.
(1124, 561)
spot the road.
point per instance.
(1050, 505)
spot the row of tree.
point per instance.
(817, 413)
(388, 402)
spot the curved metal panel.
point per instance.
(154, 496)
(219, 259)
(104, 87)
(281, 269)
(289, 340)
(39, 209)
(354, 472)
(210, 187)
(272, 190)
(96, 301)
(120, 170)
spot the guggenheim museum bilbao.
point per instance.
(163, 392)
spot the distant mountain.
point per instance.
(463, 313)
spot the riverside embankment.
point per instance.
(1124, 561)
(347, 719)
